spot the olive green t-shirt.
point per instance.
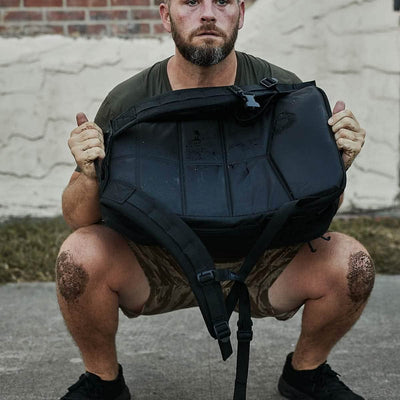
(154, 81)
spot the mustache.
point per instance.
(205, 28)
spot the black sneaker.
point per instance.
(321, 383)
(91, 387)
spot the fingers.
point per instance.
(346, 123)
(88, 140)
(87, 144)
(81, 118)
(339, 106)
(86, 158)
(349, 136)
(91, 144)
(87, 134)
(355, 136)
(350, 150)
(86, 126)
(338, 117)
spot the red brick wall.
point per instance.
(124, 18)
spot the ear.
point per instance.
(241, 11)
(165, 18)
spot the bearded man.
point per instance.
(99, 271)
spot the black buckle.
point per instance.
(269, 83)
(205, 277)
(245, 336)
(222, 331)
(250, 100)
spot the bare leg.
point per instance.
(334, 284)
(96, 271)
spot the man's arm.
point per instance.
(80, 200)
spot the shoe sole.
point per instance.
(289, 392)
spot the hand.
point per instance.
(349, 136)
(87, 144)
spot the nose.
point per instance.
(207, 11)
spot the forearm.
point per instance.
(80, 201)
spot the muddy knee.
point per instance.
(71, 277)
(360, 277)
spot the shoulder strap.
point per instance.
(173, 233)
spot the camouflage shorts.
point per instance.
(170, 290)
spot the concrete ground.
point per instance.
(171, 356)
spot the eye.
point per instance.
(222, 2)
(192, 2)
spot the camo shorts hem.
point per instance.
(170, 290)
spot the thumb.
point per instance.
(339, 106)
(81, 118)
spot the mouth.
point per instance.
(209, 32)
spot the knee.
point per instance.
(356, 266)
(360, 276)
(76, 265)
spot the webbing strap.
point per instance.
(244, 337)
(190, 253)
(262, 243)
(239, 293)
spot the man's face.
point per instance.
(205, 31)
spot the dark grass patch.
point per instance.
(380, 236)
(29, 246)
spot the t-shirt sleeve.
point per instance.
(284, 76)
(251, 70)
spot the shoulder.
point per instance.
(147, 83)
(255, 68)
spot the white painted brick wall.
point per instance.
(351, 48)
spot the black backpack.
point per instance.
(223, 170)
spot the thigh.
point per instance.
(311, 275)
(268, 268)
(169, 287)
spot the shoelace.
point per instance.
(85, 386)
(327, 379)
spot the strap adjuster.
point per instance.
(222, 331)
(245, 336)
(269, 83)
(206, 277)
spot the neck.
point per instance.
(183, 74)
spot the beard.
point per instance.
(206, 54)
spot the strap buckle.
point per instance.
(222, 331)
(269, 83)
(206, 277)
(250, 100)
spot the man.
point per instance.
(98, 270)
